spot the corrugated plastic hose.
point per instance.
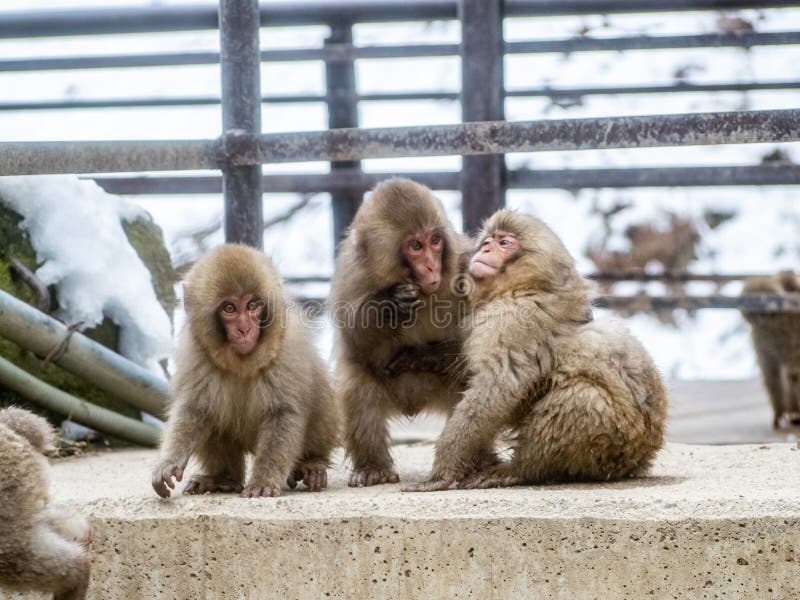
(80, 411)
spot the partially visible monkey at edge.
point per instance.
(41, 547)
(776, 339)
(247, 381)
(394, 289)
(582, 400)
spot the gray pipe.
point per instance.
(40, 333)
(80, 411)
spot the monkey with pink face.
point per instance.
(397, 308)
(582, 399)
(247, 381)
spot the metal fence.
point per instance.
(482, 138)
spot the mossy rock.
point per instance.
(146, 238)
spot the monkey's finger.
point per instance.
(168, 480)
(291, 482)
(437, 485)
(160, 489)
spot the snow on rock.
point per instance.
(75, 228)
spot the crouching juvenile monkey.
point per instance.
(394, 291)
(41, 548)
(776, 339)
(247, 380)
(583, 400)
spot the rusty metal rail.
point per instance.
(280, 14)
(345, 51)
(492, 137)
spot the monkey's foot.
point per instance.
(314, 477)
(441, 479)
(257, 490)
(203, 484)
(499, 476)
(371, 476)
(432, 485)
(71, 526)
(163, 477)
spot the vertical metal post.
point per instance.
(483, 178)
(342, 103)
(240, 64)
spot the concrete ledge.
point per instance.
(711, 522)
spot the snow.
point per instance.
(74, 226)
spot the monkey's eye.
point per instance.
(254, 304)
(415, 245)
(229, 307)
(436, 239)
(505, 242)
(486, 241)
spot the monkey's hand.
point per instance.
(372, 476)
(261, 489)
(405, 298)
(162, 477)
(437, 357)
(440, 480)
(314, 476)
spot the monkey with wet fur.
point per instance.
(394, 289)
(41, 547)
(582, 400)
(776, 339)
(247, 381)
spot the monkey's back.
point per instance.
(610, 402)
(23, 486)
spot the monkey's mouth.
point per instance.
(480, 269)
(429, 287)
(242, 346)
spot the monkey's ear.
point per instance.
(360, 245)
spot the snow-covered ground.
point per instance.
(762, 237)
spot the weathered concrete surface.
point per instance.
(711, 522)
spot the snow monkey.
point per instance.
(247, 380)
(41, 548)
(776, 338)
(583, 401)
(395, 288)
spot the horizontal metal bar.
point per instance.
(609, 277)
(653, 42)
(641, 303)
(18, 24)
(488, 137)
(574, 179)
(677, 88)
(569, 179)
(496, 137)
(754, 303)
(601, 277)
(555, 94)
(39, 158)
(347, 52)
(146, 102)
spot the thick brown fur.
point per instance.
(275, 402)
(369, 264)
(582, 400)
(41, 547)
(776, 339)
